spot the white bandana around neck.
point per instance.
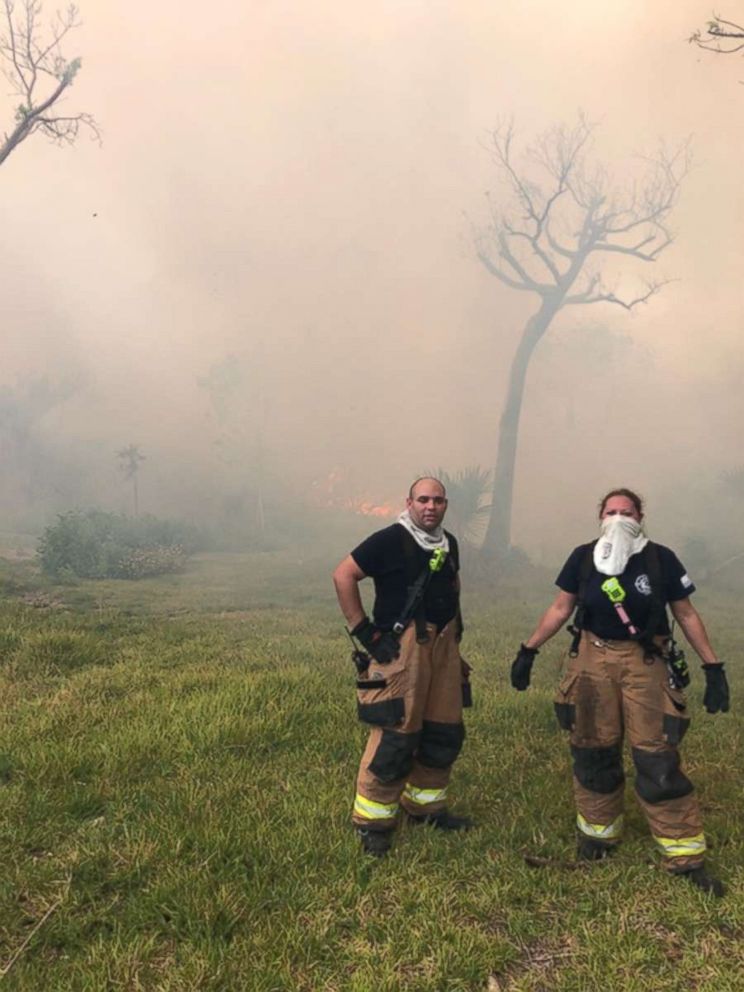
(428, 540)
(620, 537)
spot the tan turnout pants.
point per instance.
(611, 689)
(414, 706)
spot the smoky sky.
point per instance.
(293, 185)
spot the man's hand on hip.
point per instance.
(383, 645)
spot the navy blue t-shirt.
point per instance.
(382, 556)
(600, 615)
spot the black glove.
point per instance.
(381, 644)
(716, 698)
(467, 692)
(521, 668)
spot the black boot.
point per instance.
(589, 849)
(375, 842)
(704, 881)
(443, 820)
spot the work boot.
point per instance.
(443, 820)
(703, 881)
(589, 849)
(375, 842)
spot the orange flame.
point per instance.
(372, 510)
(330, 493)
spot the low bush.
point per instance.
(93, 544)
(141, 562)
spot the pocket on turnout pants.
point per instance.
(381, 694)
(675, 719)
(564, 702)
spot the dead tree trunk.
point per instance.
(498, 532)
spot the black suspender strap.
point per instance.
(652, 567)
(418, 580)
(585, 570)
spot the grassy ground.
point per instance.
(177, 759)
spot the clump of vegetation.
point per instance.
(94, 544)
(152, 561)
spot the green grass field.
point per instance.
(177, 764)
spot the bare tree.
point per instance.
(720, 36)
(563, 221)
(129, 463)
(32, 61)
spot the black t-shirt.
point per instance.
(382, 556)
(601, 616)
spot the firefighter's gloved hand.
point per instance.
(467, 692)
(521, 669)
(716, 698)
(381, 644)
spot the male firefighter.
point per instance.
(412, 680)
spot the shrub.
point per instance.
(93, 544)
(141, 562)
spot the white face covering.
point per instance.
(428, 540)
(620, 537)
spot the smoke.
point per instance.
(264, 276)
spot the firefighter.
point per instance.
(411, 688)
(625, 675)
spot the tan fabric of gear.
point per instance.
(615, 691)
(429, 679)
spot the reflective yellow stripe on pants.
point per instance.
(600, 831)
(423, 797)
(682, 847)
(370, 810)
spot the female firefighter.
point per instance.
(625, 675)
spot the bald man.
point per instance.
(412, 680)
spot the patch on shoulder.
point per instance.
(686, 581)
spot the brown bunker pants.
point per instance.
(414, 706)
(610, 689)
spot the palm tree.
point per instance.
(468, 504)
(129, 463)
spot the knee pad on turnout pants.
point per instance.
(658, 775)
(393, 757)
(440, 743)
(598, 769)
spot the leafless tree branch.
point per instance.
(29, 54)
(554, 188)
(600, 296)
(501, 275)
(554, 158)
(720, 33)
